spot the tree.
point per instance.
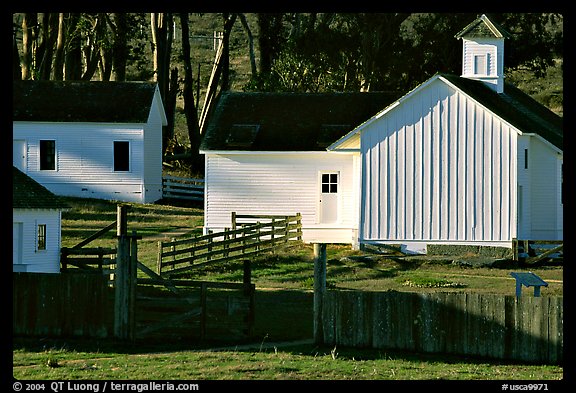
(161, 28)
(190, 110)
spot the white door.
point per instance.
(329, 189)
(19, 154)
(16, 243)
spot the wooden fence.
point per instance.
(61, 305)
(182, 188)
(502, 327)
(532, 251)
(78, 302)
(243, 241)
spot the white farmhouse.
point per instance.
(90, 139)
(459, 160)
(36, 226)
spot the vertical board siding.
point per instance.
(438, 168)
(495, 326)
(543, 169)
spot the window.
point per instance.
(525, 158)
(41, 236)
(121, 156)
(480, 66)
(329, 183)
(47, 155)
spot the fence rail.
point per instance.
(248, 240)
(532, 251)
(174, 187)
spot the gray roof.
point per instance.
(515, 107)
(258, 121)
(81, 101)
(27, 193)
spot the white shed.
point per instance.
(36, 226)
(265, 154)
(90, 139)
(459, 160)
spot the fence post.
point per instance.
(319, 289)
(249, 291)
(203, 309)
(159, 259)
(299, 224)
(125, 279)
(64, 259)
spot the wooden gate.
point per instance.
(163, 308)
(188, 309)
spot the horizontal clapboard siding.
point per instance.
(32, 260)
(85, 159)
(276, 184)
(439, 167)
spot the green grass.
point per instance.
(302, 362)
(283, 299)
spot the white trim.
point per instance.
(266, 152)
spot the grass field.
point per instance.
(284, 298)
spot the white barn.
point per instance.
(36, 226)
(459, 160)
(90, 139)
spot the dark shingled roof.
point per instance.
(483, 27)
(515, 107)
(259, 121)
(80, 101)
(27, 193)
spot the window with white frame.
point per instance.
(41, 237)
(480, 65)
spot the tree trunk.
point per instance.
(29, 23)
(120, 47)
(250, 44)
(161, 25)
(190, 109)
(59, 55)
(73, 56)
(228, 24)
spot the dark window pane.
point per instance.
(333, 188)
(325, 178)
(325, 188)
(47, 155)
(121, 156)
(333, 178)
(42, 236)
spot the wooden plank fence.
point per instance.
(62, 305)
(174, 187)
(243, 241)
(496, 326)
(532, 251)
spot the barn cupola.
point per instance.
(483, 52)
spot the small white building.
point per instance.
(459, 160)
(265, 153)
(90, 139)
(36, 226)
